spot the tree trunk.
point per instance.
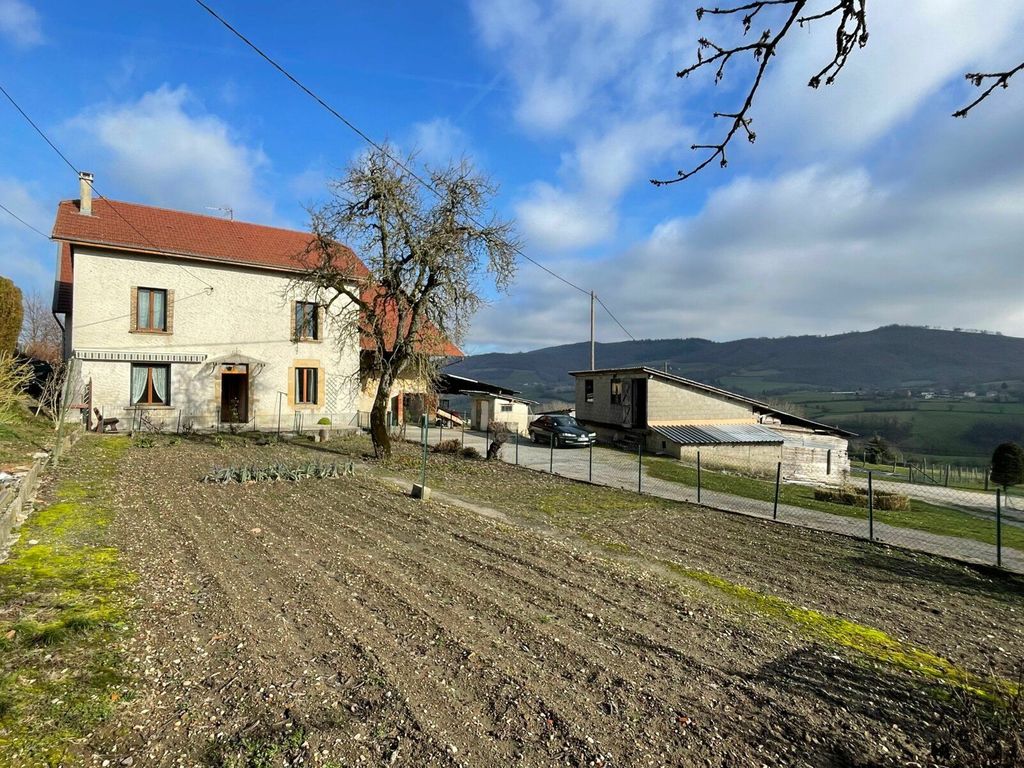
(379, 418)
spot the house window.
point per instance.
(616, 397)
(151, 384)
(506, 407)
(307, 321)
(306, 386)
(151, 309)
(588, 390)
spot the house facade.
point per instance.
(199, 320)
(678, 417)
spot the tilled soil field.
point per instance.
(339, 622)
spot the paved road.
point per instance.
(618, 469)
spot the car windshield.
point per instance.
(564, 421)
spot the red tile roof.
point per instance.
(430, 340)
(190, 235)
(205, 238)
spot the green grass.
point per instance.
(937, 428)
(65, 598)
(922, 516)
(965, 479)
(22, 436)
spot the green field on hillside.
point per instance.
(954, 431)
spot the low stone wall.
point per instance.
(15, 500)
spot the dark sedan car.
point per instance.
(566, 430)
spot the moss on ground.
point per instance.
(65, 598)
(874, 644)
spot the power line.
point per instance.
(380, 148)
(11, 213)
(71, 165)
(38, 129)
(613, 317)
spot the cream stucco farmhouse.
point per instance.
(188, 319)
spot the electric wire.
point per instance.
(613, 317)
(12, 214)
(379, 147)
(107, 200)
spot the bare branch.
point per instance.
(763, 50)
(998, 80)
(428, 251)
(851, 33)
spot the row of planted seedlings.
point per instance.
(255, 473)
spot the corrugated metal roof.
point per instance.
(720, 434)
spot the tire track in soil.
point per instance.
(758, 705)
(423, 578)
(398, 603)
(292, 666)
(548, 715)
(245, 593)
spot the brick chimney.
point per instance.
(85, 193)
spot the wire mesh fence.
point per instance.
(899, 509)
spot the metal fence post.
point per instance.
(640, 467)
(778, 481)
(177, 429)
(871, 508)
(551, 461)
(828, 462)
(278, 414)
(440, 435)
(463, 435)
(517, 447)
(999, 527)
(698, 477)
(426, 435)
(590, 465)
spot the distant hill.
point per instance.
(889, 358)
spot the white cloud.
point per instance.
(595, 175)
(554, 220)
(566, 56)
(439, 142)
(19, 23)
(165, 150)
(933, 238)
(916, 48)
(587, 72)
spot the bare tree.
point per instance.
(848, 21)
(429, 242)
(51, 397)
(40, 334)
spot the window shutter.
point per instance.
(134, 311)
(321, 315)
(294, 335)
(321, 388)
(169, 310)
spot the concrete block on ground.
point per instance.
(420, 492)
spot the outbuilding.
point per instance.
(678, 417)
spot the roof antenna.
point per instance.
(223, 209)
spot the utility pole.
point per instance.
(592, 366)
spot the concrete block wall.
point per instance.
(672, 402)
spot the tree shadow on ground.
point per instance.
(865, 702)
(901, 567)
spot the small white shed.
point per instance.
(488, 409)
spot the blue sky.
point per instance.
(860, 205)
